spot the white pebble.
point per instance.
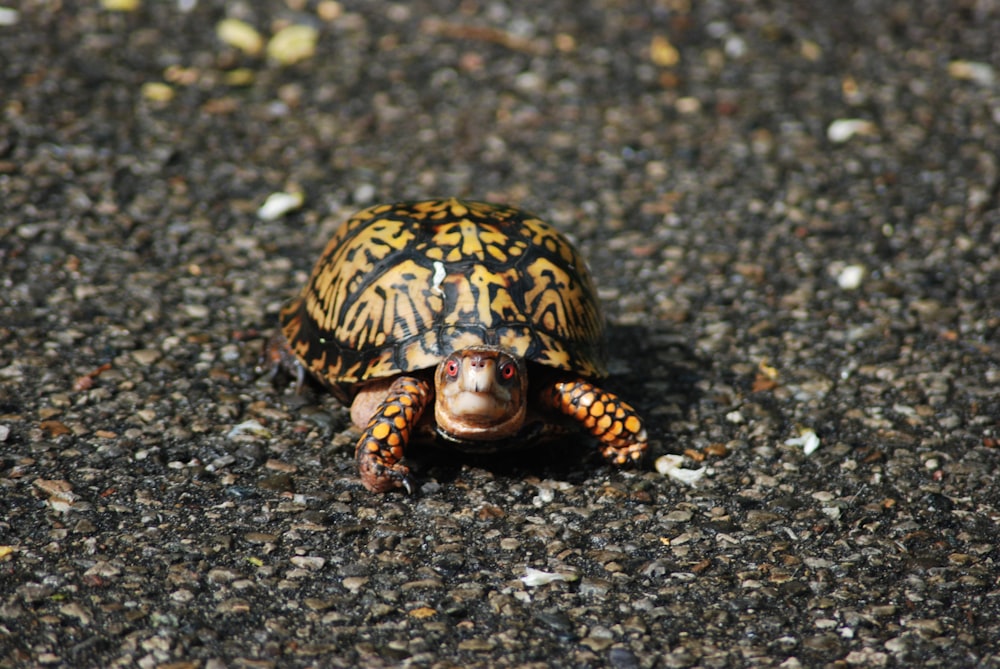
(850, 277)
(364, 194)
(9, 17)
(196, 311)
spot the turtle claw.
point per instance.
(409, 484)
(378, 477)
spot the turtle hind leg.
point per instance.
(278, 362)
(384, 440)
(603, 414)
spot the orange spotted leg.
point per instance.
(381, 447)
(605, 415)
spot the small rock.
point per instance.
(241, 35)
(292, 44)
(476, 645)
(157, 91)
(77, 611)
(146, 356)
(235, 605)
(182, 596)
(310, 562)
(355, 583)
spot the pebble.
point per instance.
(241, 35)
(310, 562)
(156, 91)
(121, 5)
(146, 356)
(354, 583)
(292, 44)
(850, 277)
(980, 73)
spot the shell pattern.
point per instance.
(399, 287)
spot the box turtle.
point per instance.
(471, 322)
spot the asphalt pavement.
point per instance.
(792, 213)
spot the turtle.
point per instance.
(472, 323)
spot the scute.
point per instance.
(399, 287)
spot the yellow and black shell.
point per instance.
(401, 286)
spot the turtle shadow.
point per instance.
(652, 368)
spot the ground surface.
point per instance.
(766, 271)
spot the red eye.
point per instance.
(451, 368)
(507, 371)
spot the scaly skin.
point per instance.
(605, 415)
(384, 440)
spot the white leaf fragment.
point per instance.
(970, 70)
(249, 427)
(807, 439)
(670, 465)
(279, 204)
(843, 129)
(536, 577)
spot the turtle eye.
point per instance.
(507, 371)
(451, 368)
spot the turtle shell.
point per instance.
(401, 286)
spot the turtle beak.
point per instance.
(478, 393)
(478, 373)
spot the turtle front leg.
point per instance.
(381, 446)
(605, 415)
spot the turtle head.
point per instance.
(481, 394)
